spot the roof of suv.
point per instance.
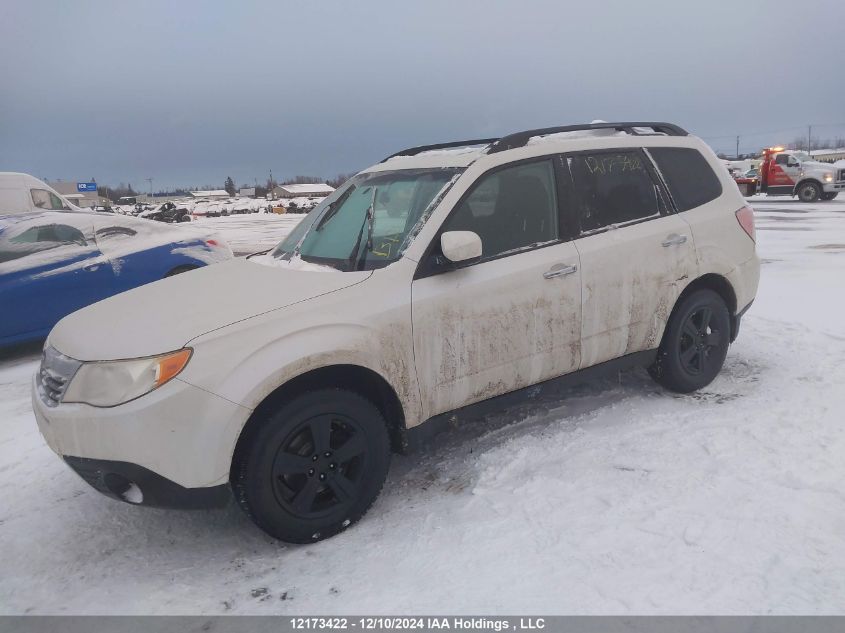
(464, 153)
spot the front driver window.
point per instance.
(47, 200)
(511, 209)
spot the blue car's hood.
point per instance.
(165, 315)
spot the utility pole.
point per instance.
(809, 138)
(737, 147)
(150, 180)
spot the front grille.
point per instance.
(841, 174)
(54, 375)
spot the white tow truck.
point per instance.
(795, 173)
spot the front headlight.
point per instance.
(828, 177)
(113, 382)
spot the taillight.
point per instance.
(216, 243)
(745, 217)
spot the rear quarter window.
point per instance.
(688, 175)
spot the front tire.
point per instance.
(830, 195)
(809, 191)
(694, 344)
(314, 467)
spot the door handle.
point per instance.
(559, 270)
(674, 239)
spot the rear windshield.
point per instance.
(688, 175)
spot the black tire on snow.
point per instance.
(694, 344)
(809, 191)
(829, 195)
(296, 481)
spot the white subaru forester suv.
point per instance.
(443, 278)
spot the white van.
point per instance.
(22, 193)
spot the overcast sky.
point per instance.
(191, 92)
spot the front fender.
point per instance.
(258, 359)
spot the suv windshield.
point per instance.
(368, 223)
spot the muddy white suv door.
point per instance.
(510, 319)
(635, 254)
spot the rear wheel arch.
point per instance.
(721, 286)
(355, 378)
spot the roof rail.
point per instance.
(520, 139)
(413, 151)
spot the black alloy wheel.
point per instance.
(698, 341)
(320, 466)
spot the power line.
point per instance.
(787, 129)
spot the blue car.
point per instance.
(52, 264)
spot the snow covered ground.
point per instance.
(254, 232)
(615, 497)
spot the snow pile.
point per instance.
(568, 136)
(454, 151)
(294, 263)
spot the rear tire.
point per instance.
(314, 467)
(809, 191)
(829, 195)
(694, 344)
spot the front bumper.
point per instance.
(139, 486)
(178, 434)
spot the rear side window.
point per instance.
(50, 234)
(614, 188)
(688, 175)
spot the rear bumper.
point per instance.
(736, 320)
(140, 486)
(744, 280)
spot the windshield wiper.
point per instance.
(356, 261)
(333, 208)
(371, 220)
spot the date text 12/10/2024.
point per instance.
(418, 623)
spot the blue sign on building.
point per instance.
(86, 186)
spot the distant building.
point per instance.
(246, 192)
(828, 155)
(317, 190)
(214, 194)
(70, 191)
